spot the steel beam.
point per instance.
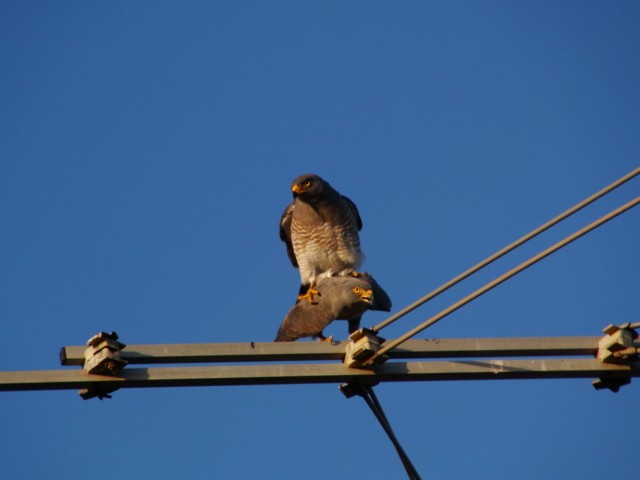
(316, 373)
(303, 351)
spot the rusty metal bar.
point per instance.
(506, 250)
(503, 278)
(304, 351)
(199, 376)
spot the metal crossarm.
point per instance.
(307, 351)
(316, 373)
(252, 363)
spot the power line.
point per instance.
(506, 250)
(502, 278)
(369, 396)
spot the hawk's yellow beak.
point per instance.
(296, 189)
(367, 296)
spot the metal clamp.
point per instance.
(102, 357)
(363, 344)
(611, 383)
(352, 389)
(617, 346)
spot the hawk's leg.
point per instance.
(322, 338)
(354, 325)
(307, 291)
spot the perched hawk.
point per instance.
(340, 298)
(320, 229)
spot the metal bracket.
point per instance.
(352, 389)
(363, 344)
(617, 346)
(611, 383)
(101, 393)
(102, 357)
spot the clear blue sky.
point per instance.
(146, 154)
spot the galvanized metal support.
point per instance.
(474, 359)
(102, 357)
(363, 344)
(102, 354)
(281, 374)
(427, 348)
(618, 346)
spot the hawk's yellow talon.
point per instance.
(322, 338)
(309, 295)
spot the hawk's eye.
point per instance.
(356, 290)
(307, 184)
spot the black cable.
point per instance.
(371, 399)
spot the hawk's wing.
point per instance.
(285, 233)
(304, 320)
(354, 211)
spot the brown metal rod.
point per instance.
(506, 250)
(503, 278)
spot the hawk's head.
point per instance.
(308, 185)
(365, 295)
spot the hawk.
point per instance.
(320, 229)
(341, 297)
